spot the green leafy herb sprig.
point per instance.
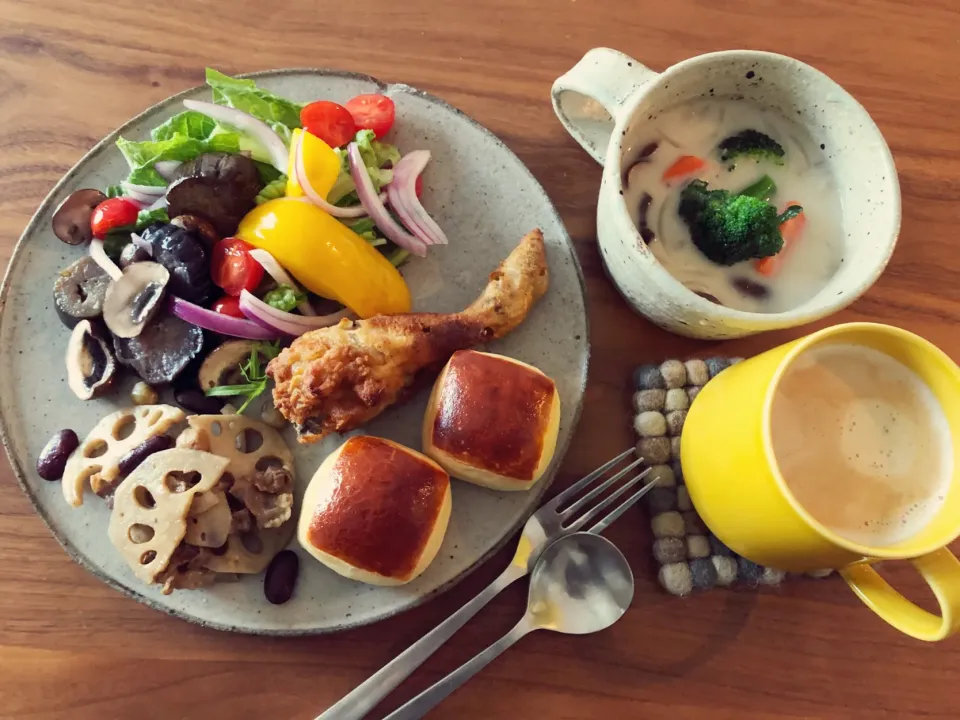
(254, 371)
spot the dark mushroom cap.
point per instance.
(184, 254)
(217, 187)
(162, 350)
(71, 221)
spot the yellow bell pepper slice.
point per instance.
(326, 256)
(321, 165)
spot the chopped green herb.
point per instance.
(284, 298)
(253, 371)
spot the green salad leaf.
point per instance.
(284, 298)
(280, 114)
(182, 138)
(378, 157)
(149, 217)
(272, 190)
(114, 191)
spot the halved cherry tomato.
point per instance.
(111, 214)
(330, 122)
(229, 305)
(373, 112)
(418, 186)
(232, 268)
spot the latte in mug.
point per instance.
(861, 442)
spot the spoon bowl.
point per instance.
(581, 584)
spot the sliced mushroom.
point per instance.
(71, 221)
(222, 366)
(134, 299)
(90, 366)
(79, 290)
(162, 350)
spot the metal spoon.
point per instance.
(581, 584)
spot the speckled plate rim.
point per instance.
(107, 143)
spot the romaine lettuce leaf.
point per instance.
(183, 137)
(279, 113)
(378, 157)
(272, 190)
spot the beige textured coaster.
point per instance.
(690, 556)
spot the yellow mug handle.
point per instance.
(940, 569)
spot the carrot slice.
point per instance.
(684, 166)
(790, 231)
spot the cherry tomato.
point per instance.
(229, 305)
(114, 213)
(330, 122)
(373, 112)
(232, 268)
(418, 186)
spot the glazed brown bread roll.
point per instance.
(375, 511)
(492, 421)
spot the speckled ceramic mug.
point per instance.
(603, 103)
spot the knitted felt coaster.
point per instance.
(690, 556)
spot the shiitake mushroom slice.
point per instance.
(79, 291)
(90, 365)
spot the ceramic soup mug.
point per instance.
(604, 103)
(879, 483)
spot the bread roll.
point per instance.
(492, 421)
(375, 511)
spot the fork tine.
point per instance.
(580, 484)
(598, 489)
(622, 508)
(597, 509)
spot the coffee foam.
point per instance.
(862, 443)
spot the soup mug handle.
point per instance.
(940, 569)
(593, 97)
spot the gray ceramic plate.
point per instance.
(483, 197)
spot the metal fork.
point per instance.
(563, 515)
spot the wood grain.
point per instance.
(71, 71)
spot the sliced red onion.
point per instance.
(167, 168)
(316, 198)
(144, 245)
(375, 207)
(144, 194)
(218, 322)
(287, 323)
(280, 277)
(160, 203)
(249, 124)
(402, 194)
(100, 257)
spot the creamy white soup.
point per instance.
(684, 144)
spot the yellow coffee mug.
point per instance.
(736, 486)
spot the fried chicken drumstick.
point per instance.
(336, 379)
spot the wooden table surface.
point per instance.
(71, 647)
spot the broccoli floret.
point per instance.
(730, 228)
(751, 144)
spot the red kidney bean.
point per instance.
(281, 577)
(53, 457)
(129, 462)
